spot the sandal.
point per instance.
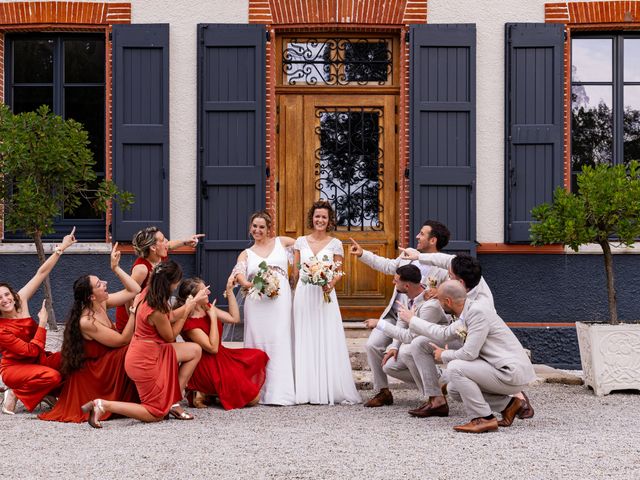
(178, 413)
(9, 400)
(95, 409)
(49, 400)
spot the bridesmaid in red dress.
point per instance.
(93, 352)
(152, 247)
(234, 375)
(26, 368)
(159, 367)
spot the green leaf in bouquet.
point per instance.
(263, 265)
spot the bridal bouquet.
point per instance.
(320, 272)
(265, 283)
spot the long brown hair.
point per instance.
(73, 342)
(159, 290)
(16, 297)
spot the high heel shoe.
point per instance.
(9, 401)
(95, 409)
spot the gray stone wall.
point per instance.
(17, 269)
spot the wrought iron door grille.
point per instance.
(349, 165)
(337, 61)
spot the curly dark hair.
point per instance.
(468, 269)
(159, 290)
(440, 232)
(73, 342)
(320, 205)
(189, 286)
(16, 297)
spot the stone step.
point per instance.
(355, 329)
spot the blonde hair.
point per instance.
(144, 240)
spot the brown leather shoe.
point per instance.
(426, 410)
(526, 411)
(383, 398)
(478, 425)
(509, 413)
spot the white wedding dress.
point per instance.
(267, 326)
(323, 369)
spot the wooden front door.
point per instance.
(343, 148)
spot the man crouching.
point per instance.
(489, 368)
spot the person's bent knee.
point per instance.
(196, 351)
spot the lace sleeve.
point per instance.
(290, 254)
(240, 267)
(336, 247)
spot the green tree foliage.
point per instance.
(605, 209)
(46, 168)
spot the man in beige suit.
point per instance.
(407, 281)
(433, 237)
(488, 369)
(465, 269)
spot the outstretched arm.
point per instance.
(32, 285)
(192, 241)
(131, 287)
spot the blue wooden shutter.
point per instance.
(141, 126)
(231, 141)
(534, 121)
(443, 130)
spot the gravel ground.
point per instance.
(573, 435)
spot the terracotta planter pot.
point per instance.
(610, 356)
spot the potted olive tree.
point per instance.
(46, 167)
(605, 210)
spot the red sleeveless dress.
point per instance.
(152, 364)
(102, 376)
(122, 315)
(26, 367)
(236, 375)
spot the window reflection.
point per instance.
(591, 60)
(631, 59)
(631, 134)
(592, 125)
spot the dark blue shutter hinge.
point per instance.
(406, 37)
(268, 36)
(268, 172)
(110, 36)
(204, 192)
(407, 173)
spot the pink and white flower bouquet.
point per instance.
(320, 272)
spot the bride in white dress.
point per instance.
(267, 322)
(322, 366)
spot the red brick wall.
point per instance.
(341, 15)
(65, 17)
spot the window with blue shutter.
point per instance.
(141, 126)
(231, 143)
(534, 126)
(443, 130)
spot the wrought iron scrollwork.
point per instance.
(337, 61)
(349, 165)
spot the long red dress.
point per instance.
(102, 376)
(236, 375)
(152, 364)
(122, 313)
(26, 367)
